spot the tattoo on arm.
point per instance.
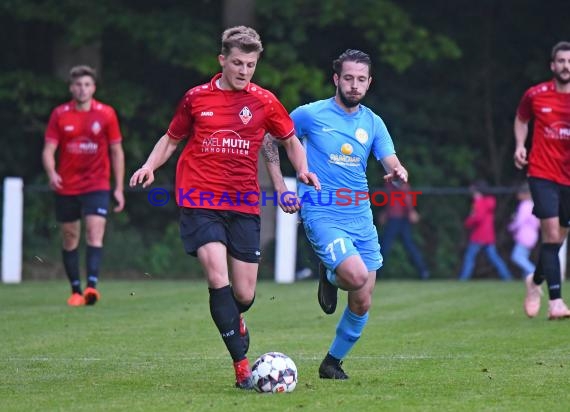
(270, 149)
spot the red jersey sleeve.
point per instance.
(279, 123)
(52, 134)
(524, 110)
(181, 123)
(113, 131)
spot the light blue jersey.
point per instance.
(338, 220)
(338, 145)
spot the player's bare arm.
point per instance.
(396, 173)
(521, 133)
(298, 157)
(161, 152)
(118, 165)
(270, 150)
(48, 159)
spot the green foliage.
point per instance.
(385, 26)
(167, 257)
(25, 98)
(296, 82)
(173, 35)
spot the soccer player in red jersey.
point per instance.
(88, 137)
(223, 123)
(548, 173)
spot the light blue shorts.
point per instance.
(334, 240)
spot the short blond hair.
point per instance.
(80, 71)
(244, 38)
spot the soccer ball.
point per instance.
(274, 372)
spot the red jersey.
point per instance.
(218, 166)
(550, 154)
(481, 221)
(83, 138)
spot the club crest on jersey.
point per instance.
(245, 115)
(95, 127)
(361, 135)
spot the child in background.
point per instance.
(481, 226)
(525, 228)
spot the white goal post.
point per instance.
(12, 225)
(286, 240)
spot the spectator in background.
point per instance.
(524, 228)
(481, 226)
(88, 137)
(396, 220)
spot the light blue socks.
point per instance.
(348, 331)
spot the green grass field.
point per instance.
(151, 346)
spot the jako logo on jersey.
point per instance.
(546, 109)
(245, 115)
(207, 114)
(96, 128)
(69, 128)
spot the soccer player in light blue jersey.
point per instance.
(339, 134)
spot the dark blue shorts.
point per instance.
(240, 232)
(69, 208)
(550, 200)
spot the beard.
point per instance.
(560, 79)
(348, 101)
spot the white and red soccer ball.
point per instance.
(274, 372)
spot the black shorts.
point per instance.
(238, 231)
(69, 208)
(550, 200)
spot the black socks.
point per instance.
(548, 268)
(71, 265)
(226, 317)
(93, 261)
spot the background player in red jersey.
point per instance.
(548, 104)
(223, 123)
(88, 137)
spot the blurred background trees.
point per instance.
(447, 79)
